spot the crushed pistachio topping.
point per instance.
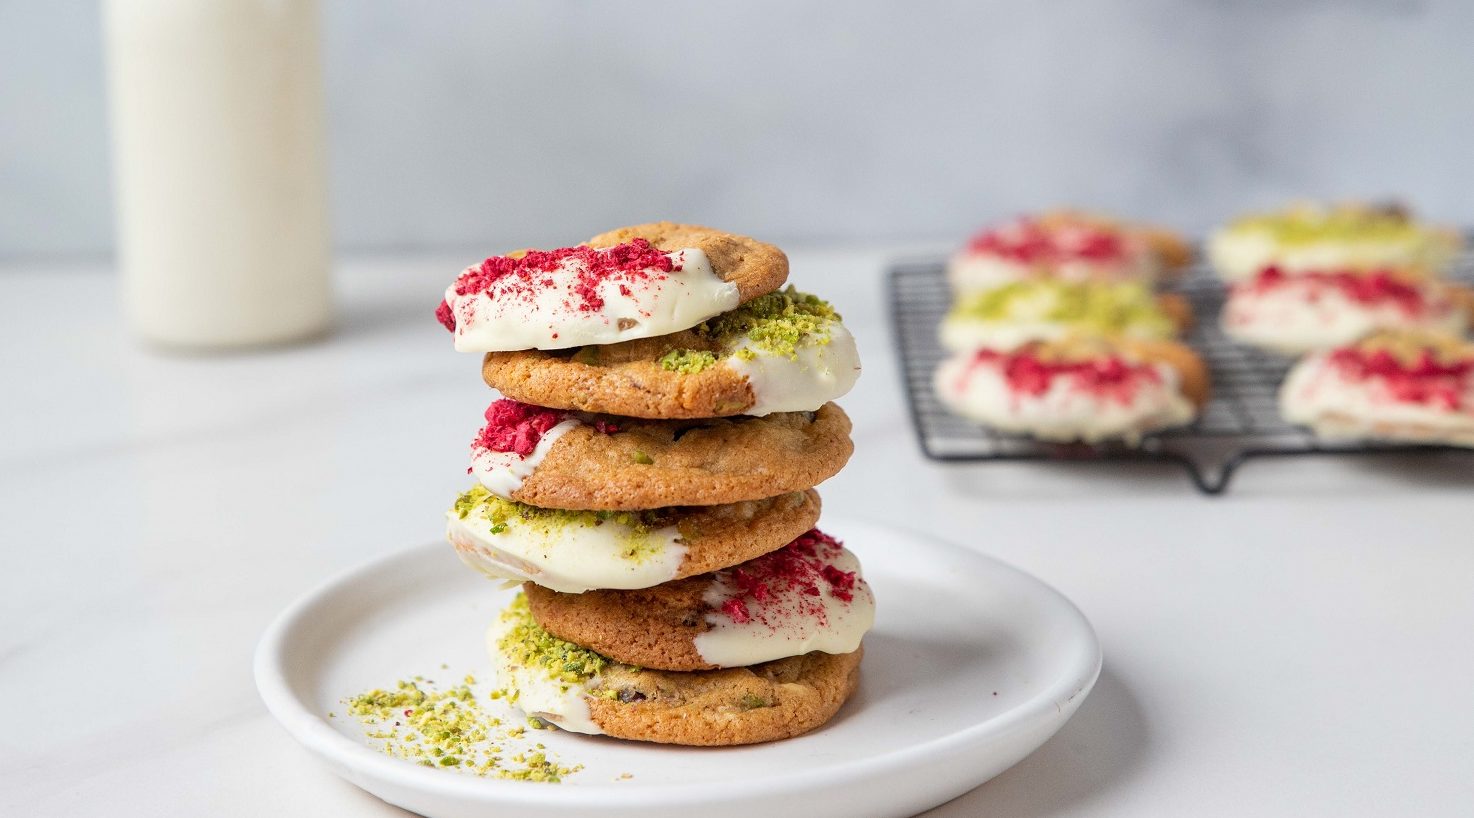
(636, 528)
(776, 323)
(752, 702)
(527, 644)
(1302, 225)
(448, 728)
(1086, 305)
(687, 361)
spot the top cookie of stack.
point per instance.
(667, 415)
(622, 327)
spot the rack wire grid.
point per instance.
(1241, 421)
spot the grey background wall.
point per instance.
(472, 124)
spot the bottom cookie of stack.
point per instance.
(765, 650)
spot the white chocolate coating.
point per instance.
(817, 374)
(570, 557)
(1048, 311)
(555, 701)
(504, 472)
(1064, 411)
(969, 334)
(1317, 394)
(1060, 247)
(662, 303)
(1300, 315)
(965, 335)
(1240, 252)
(969, 271)
(839, 630)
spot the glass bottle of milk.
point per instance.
(218, 162)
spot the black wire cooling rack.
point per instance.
(1241, 421)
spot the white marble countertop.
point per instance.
(1301, 646)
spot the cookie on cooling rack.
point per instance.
(1066, 245)
(634, 282)
(555, 459)
(808, 595)
(1308, 237)
(576, 551)
(577, 689)
(1395, 385)
(1080, 388)
(1013, 315)
(1295, 313)
(780, 352)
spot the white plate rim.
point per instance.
(313, 732)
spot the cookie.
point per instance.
(781, 352)
(575, 551)
(578, 690)
(555, 459)
(723, 708)
(1065, 245)
(1177, 309)
(1011, 315)
(1308, 237)
(1169, 250)
(1394, 385)
(808, 595)
(1081, 388)
(1192, 373)
(755, 267)
(651, 280)
(1315, 310)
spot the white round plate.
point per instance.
(972, 665)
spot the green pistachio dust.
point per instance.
(776, 323)
(1304, 225)
(1086, 305)
(527, 644)
(635, 534)
(687, 361)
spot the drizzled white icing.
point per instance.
(661, 303)
(536, 693)
(1064, 411)
(816, 374)
(790, 626)
(504, 472)
(567, 556)
(1302, 314)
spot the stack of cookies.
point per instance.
(1057, 330)
(649, 478)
